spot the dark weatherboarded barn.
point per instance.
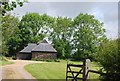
(41, 50)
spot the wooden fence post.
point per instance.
(86, 68)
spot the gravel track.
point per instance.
(17, 71)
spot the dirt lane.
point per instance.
(16, 70)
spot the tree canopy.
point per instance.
(61, 35)
(9, 30)
(6, 5)
(88, 35)
(76, 38)
(7, 27)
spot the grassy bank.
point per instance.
(55, 70)
(5, 63)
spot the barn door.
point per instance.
(25, 56)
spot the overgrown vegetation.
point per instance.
(5, 63)
(109, 57)
(3, 58)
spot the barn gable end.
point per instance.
(44, 51)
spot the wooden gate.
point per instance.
(84, 68)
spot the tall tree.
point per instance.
(88, 34)
(33, 27)
(9, 29)
(6, 6)
(30, 25)
(61, 35)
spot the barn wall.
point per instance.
(18, 55)
(24, 56)
(42, 55)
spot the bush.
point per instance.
(14, 57)
(3, 58)
(47, 60)
(109, 57)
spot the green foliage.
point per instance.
(17, 34)
(88, 34)
(7, 5)
(32, 26)
(109, 57)
(3, 58)
(78, 38)
(14, 44)
(60, 36)
(9, 32)
(5, 63)
(14, 57)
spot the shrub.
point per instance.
(3, 58)
(14, 57)
(47, 60)
(109, 57)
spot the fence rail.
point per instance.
(97, 72)
(84, 70)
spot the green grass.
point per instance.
(5, 63)
(56, 70)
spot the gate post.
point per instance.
(86, 68)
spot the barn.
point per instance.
(41, 50)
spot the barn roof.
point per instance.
(28, 48)
(44, 47)
(41, 46)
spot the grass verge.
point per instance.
(56, 70)
(5, 63)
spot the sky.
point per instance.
(106, 12)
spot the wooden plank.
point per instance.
(86, 69)
(97, 72)
(79, 72)
(75, 65)
(71, 70)
(74, 77)
(66, 70)
(74, 72)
